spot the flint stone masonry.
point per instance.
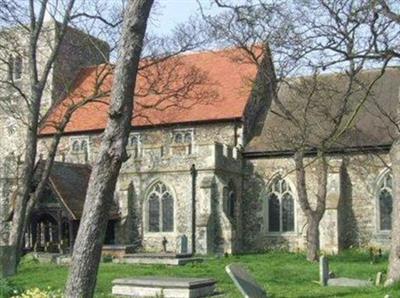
(168, 287)
(7, 261)
(352, 215)
(246, 284)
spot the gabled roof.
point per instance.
(373, 127)
(69, 183)
(197, 87)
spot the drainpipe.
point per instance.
(193, 173)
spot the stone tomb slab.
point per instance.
(348, 282)
(338, 281)
(168, 287)
(158, 258)
(247, 285)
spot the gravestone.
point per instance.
(164, 244)
(184, 244)
(379, 279)
(246, 284)
(325, 279)
(7, 261)
(323, 271)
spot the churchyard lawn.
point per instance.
(282, 274)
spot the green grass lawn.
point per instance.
(282, 274)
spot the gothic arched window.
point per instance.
(280, 199)
(84, 145)
(385, 202)
(160, 209)
(75, 145)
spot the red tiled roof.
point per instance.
(204, 86)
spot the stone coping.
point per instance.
(158, 255)
(166, 282)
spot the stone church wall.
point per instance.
(158, 158)
(351, 218)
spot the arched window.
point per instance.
(188, 137)
(160, 209)
(83, 145)
(178, 139)
(385, 200)
(75, 146)
(280, 201)
(230, 201)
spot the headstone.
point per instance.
(184, 244)
(323, 270)
(246, 284)
(379, 279)
(164, 244)
(8, 261)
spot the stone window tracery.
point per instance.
(160, 209)
(183, 136)
(280, 199)
(79, 145)
(385, 202)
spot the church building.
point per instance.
(209, 159)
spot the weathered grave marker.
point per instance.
(246, 284)
(323, 271)
(325, 279)
(379, 279)
(164, 244)
(8, 261)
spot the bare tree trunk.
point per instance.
(394, 257)
(17, 227)
(87, 250)
(37, 85)
(313, 216)
(312, 237)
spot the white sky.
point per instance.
(168, 13)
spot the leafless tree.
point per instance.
(310, 38)
(388, 10)
(28, 29)
(87, 250)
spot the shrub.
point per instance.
(7, 289)
(38, 293)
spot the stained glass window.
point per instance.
(280, 206)
(160, 220)
(385, 202)
(154, 213)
